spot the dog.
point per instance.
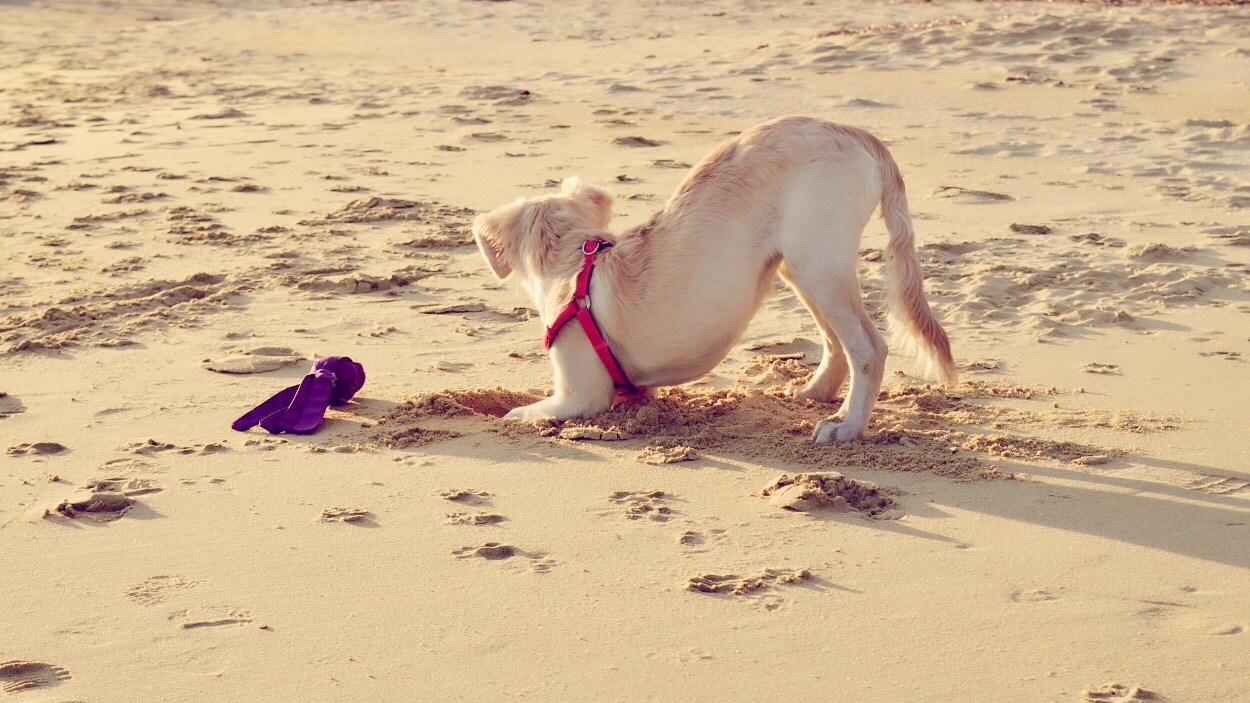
(672, 296)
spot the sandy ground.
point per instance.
(199, 184)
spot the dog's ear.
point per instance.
(595, 202)
(487, 231)
(540, 224)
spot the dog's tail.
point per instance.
(909, 313)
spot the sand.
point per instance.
(197, 199)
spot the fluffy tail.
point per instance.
(910, 316)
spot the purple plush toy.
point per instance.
(300, 409)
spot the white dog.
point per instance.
(672, 296)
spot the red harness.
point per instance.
(579, 308)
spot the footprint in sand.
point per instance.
(694, 538)
(345, 515)
(155, 589)
(497, 551)
(489, 550)
(209, 617)
(815, 491)
(1104, 369)
(37, 449)
(126, 486)
(1119, 693)
(517, 314)
(690, 538)
(1218, 485)
(444, 366)
(265, 444)
(735, 585)
(257, 360)
(336, 448)
(1037, 595)
(19, 675)
(542, 566)
(152, 446)
(10, 405)
(97, 507)
(130, 464)
(106, 499)
(643, 504)
(468, 496)
(636, 142)
(474, 518)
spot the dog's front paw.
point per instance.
(527, 412)
(835, 430)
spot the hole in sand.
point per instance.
(452, 403)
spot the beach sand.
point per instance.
(199, 198)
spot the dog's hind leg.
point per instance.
(831, 374)
(836, 298)
(826, 211)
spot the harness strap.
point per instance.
(579, 308)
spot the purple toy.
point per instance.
(300, 409)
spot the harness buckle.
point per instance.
(590, 247)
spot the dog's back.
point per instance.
(719, 239)
(672, 297)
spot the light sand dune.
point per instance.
(198, 198)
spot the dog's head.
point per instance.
(524, 235)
